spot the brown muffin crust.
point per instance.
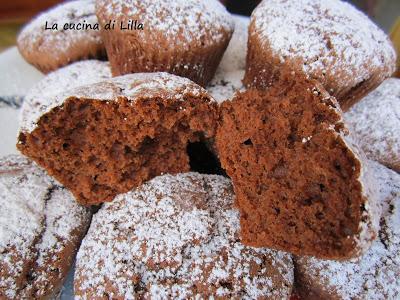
(299, 184)
(103, 139)
(42, 227)
(176, 237)
(49, 50)
(331, 41)
(185, 37)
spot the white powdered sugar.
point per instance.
(37, 219)
(21, 221)
(184, 21)
(332, 38)
(375, 121)
(235, 54)
(34, 36)
(376, 274)
(40, 97)
(131, 87)
(176, 237)
(225, 84)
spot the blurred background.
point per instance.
(15, 13)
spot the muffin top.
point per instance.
(130, 86)
(185, 22)
(177, 236)
(37, 219)
(376, 123)
(64, 79)
(332, 39)
(34, 36)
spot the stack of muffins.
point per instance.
(209, 157)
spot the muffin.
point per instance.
(186, 38)
(176, 237)
(66, 78)
(376, 123)
(376, 275)
(300, 183)
(41, 228)
(103, 139)
(49, 49)
(331, 41)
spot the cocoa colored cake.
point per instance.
(49, 49)
(375, 122)
(176, 237)
(184, 37)
(41, 228)
(332, 41)
(69, 77)
(376, 275)
(300, 184)
(105, 138)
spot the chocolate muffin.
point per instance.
(376, 123)
(41, 228)
(50, 49)
(69, 77)
(376, 275)
(185, 37)
(331, 41)
(300, 183)
(105, 138)
(176, 237)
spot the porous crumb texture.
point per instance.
(299, 183)
(40, 96)
(185, 37)
(41, 227)
(332, 41)
(50, 49)
(375, 275)
(103, 139)
(375, 122)
(176, 237)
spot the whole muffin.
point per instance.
(331, 41)
(375, 275)
(41, 229)
(48, 49)
(176, 237)
(105, 138)
(375, 122)
(185, 37)
(300, 183)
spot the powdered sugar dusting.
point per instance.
(235, 55)
(376, 275)
(34, 37)
(375, 121)
(176, 237)
(187, 22)
(225, 84)
(36, 221)
(131, 87)
(332, 39)
(40, 97)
